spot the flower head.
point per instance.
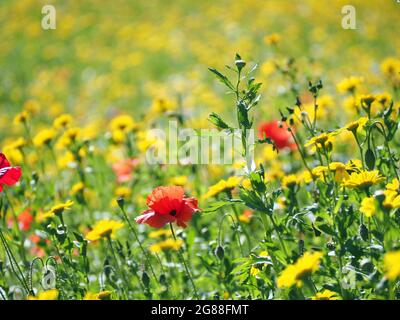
(59, 208)
(221, 186)
(325, 295)
(363, 179)
(321, 140)
(349, 84)
(368, 206)
(168, 204)
(392, 264)
(168, 244)
(278, 132)
(103, 229)
(102, 295)
(354, 125)
(45, 295)
(305, 265)
(44, 137)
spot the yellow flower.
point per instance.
(366, 100)
(353, 126)
(124, 123)
(263, 254)
(392, 199)
(160, 233)
(21, 117)
(290, 181)
(394, 185)
(349, 84)
(254, 271)
(272, 39)
(325, 295)
(179, 180)
(77, 188)
(160, 106)
(59, 208)
(168, 244)
(43, 216)
(390, 67)
(102, 295)
(44, 137)
(123, 192)
(45, 295)
(221, 186)
(304, 266)
(31, 106)
(363, 179)
(391, 262)
(62, 121)
(13, 151)
(104, 228)
(321, 140)
(147, 139)
(368, 206)
(69, 137)
(339, 169)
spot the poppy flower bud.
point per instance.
(379, 195)
(363, 232)
(145, 279)
(330, 246)
(219, 252)
(240, 64)
(121, 202)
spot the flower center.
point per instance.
(173, 213)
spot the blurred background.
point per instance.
(108, 57)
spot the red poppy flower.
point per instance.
(8, 175)
(277, 133)
(168, 204)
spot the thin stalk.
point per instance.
(184, 263)
(145, 253)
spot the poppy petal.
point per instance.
(154, 220)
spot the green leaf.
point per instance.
(215, 206)
(222, 78)
(217, 121)
(325, 228)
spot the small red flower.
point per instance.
(277, 133)
(168, 204)
(8, 175)
(123, 169)
(25, 219)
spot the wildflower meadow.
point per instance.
(199, 150)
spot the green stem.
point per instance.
(184, 263)
(145, 253)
